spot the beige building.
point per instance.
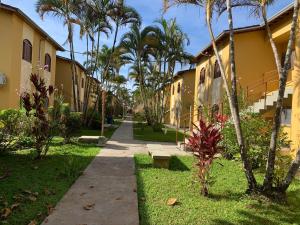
(25, 49)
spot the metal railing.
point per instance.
(259, 89)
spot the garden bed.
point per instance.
(227, 203)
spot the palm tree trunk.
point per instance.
(105, 75)
(87, 81)
(89, 85)
(283, 73)
(291, 173)
(252, 185)
(72, 52)
(103, 112)
(73, 69)
(94, 66)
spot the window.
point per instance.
(202, 76)
(217, 71)
(173, 90)
(47, 62)
(178, 88)
(82, 82)
(27, 51)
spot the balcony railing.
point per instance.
(268, 83)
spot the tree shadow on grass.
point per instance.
(177, 165)
(265, 212)
(227, 195)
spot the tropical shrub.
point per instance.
(257, 132)
(205, 144)
(95, 121)
(35, 105)
(70, 123)
(14, 130)
(157, 127)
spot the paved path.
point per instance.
(107, 188)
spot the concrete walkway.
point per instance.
(106, 192)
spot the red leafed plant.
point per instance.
(35, 105)
(205, 145)
(221, 119)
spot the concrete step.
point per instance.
(271, 99)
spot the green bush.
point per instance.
(257, 133)
(67, 122)
(95, 123)
(74, 122)
(157, 127)
(14, 130)
(140, 117)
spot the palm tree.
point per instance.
(135, 45)
(283, 73)
(94, 19)
(91, 24)
(64, 10)
(169, 52)
(260, 8)
(122, 15)
(208, 5)
(100, 63)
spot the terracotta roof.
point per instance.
(285, 11)
(32, 23)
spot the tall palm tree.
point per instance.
(100, 63)
(122, 15)
(283, 74)
(260, 8)
(135, 45)
(98, 11)
(208, 6)
(65, 11)
(92, 24)
(169, 52)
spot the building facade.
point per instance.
(182, 98)
(64, 79)
(257, 75)
(25, 49)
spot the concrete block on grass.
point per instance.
(160, 159)
(89, 139)
(102, 141)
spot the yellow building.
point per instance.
(256, 73)
(182, 98)
(64, 79)
(166, 103)
(25, 49)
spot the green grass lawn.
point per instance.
(37, 185)
(108, 132)
(147, 134)
(227, 204)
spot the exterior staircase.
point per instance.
(269, 100)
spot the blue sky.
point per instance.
(190, 19)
